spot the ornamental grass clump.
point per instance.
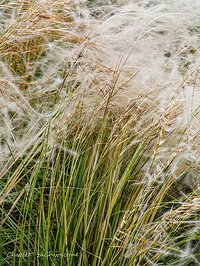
(99, 111)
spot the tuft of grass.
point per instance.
(87, 201)
(99, 136)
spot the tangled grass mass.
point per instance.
(99, 132)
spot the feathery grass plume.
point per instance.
(36, 51)
(99, 143)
